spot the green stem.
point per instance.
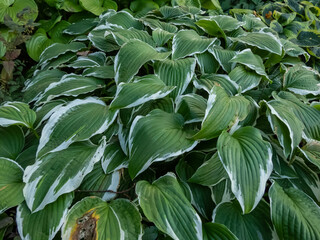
(35, 133)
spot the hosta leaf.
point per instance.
(11, 141)
(222, 112)
(113, 158)
(222, 192)
(309, 116)
(308, 38)
(156, 137)
(245, 78)
(70, 85)
(252, 61)
(210, 173)
(187, 3)
(208, 81)
(58, 173)
(60, 61)
(211, 27)
(100, 41)
(95, 59)
(227, 23)
(81, 27)
(77, 121)
(37, 84)
(123, 19)
(98, 6)
(97, 181)
(312, 152)
(123, 36)
(285, 125)
(294, 50)
(188, 42)
(176, 73)
(49, 220)
(132, 56)
(161, 37)
(104, 72)
(46, 110)
(302, 80)
(164, 203)
(223, 56)
(251, 226)
(16, 113)
(294, 214)
(135, 93)
(56, 49)
(216, 231)
(154, 24)
(247, 159)
(11, 184)
(92, 216)
(264, 41)
(207, 62)
(14, 8)
(192, 107)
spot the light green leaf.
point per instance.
(302, 80)
(285, 125)
(113, 158)
(11, 184)
(188, 42)
(210, 173)
(157, 137)
(79, 120)
(294, 214)
(262, 40)
(187, 3)
(164, 203)
(247, 159)
(142, 90)
(98, 6)
(177, 73)
(246, 79)
(12, 8)
(58, 173)
(251, 226)
(222, 112)
(16, 113)
(117, 220)
(132, 56)
(11, 141)
(192, 107)
(57, 49)
(37, 84)
(216, 231)
(49, 220)
(70, 85)
(37, 43)
(252, 61)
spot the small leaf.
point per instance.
(16, 113)
(214, 231)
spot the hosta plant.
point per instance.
(175, 123)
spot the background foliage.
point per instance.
(159, 120)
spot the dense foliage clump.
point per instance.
(167, 122)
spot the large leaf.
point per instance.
(216, 231)
(143, 89)
(37, 43)
(264, 41)
(157, 137)
(222, 112)
(208, 81)
(176, 73)
(58, 173)
(11, 142)
(250, 60)
(123, 36)
(49, 220)
(192, 107)
(16, 113)
(223, 56)
(77, 121)
(14, 8)
(294, 214)
(285, 125)
(132, 56)
(93, 217)
(11, 184)
(70, 85)
(188, 42)
(164, 203)
(251, 226)
(113, 158)
(98, 6)
(302, 80)
(245, 78)
(95, 59)
(247, 159)
(312, 152)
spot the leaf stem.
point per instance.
(35, 133)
